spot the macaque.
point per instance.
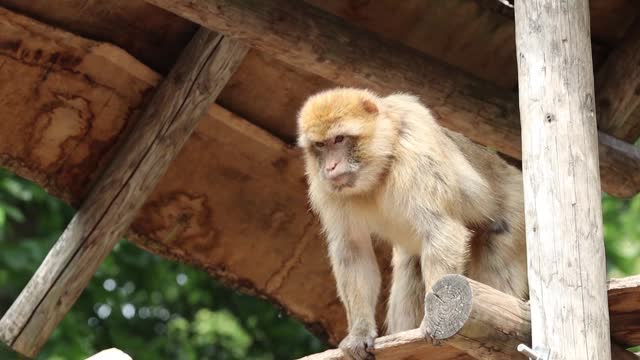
(383, 166)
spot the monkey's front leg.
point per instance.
(358, 281)
(445, 250)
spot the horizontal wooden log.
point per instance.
(618, 88)
(346, 55)
(178, 103)
(478, 319)
(482, 322)
(404, 345)
(488, 324)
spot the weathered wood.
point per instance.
(618, 88)
(488, 324)
(482, 321)
(346, 55)
(624, 310)
(565, 247)
(154, 36)
(179, 102)
(479, 321)
(404, 345)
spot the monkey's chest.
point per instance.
(396, 232)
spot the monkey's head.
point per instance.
(346, 138)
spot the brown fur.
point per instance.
(420, 187)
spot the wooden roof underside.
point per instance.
(66, 96)
(474, 35)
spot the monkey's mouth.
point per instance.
(343, 181)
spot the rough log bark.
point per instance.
(479, 321)
(563, 215)
(488, 324)
(404, 345)
(618, 88)
(108, 211)
(346, 55)
(482, 321)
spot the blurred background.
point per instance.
(155, 309)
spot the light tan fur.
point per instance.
(422, 188)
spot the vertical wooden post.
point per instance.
(567, 272)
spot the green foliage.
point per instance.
(156, 309)
(146, 306)
(622, 235)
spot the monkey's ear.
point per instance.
(369, 106)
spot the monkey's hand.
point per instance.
(359, 346)
(427, 333)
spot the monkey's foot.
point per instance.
(359, 347)
(427, 333)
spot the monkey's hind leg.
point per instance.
(445, 250)
(406, 300)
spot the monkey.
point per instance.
(382, 167)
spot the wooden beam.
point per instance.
(489, 324)
(479, 321)
(624, 310)
(346, 55)
(177, 105)
(618, 88)
(565, 248)
(482, 321)
(404, 345)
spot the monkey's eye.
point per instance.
(338, 139)
(319, 144)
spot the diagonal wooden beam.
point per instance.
(179, 102)
(618, 88)
(305, 37)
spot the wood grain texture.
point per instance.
(152, 35)
(488, 324)
(565, 248)
(482, 321)
(406, 345)
(177, 105)
(618, 88)
(346, 55)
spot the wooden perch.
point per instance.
(347, 55)
(485, 323)
(404, 345)
(618, 88)
(179, 102)
(478, 319)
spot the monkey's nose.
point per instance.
(332, 167)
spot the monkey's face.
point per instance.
(336, 160)
(344, 136)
